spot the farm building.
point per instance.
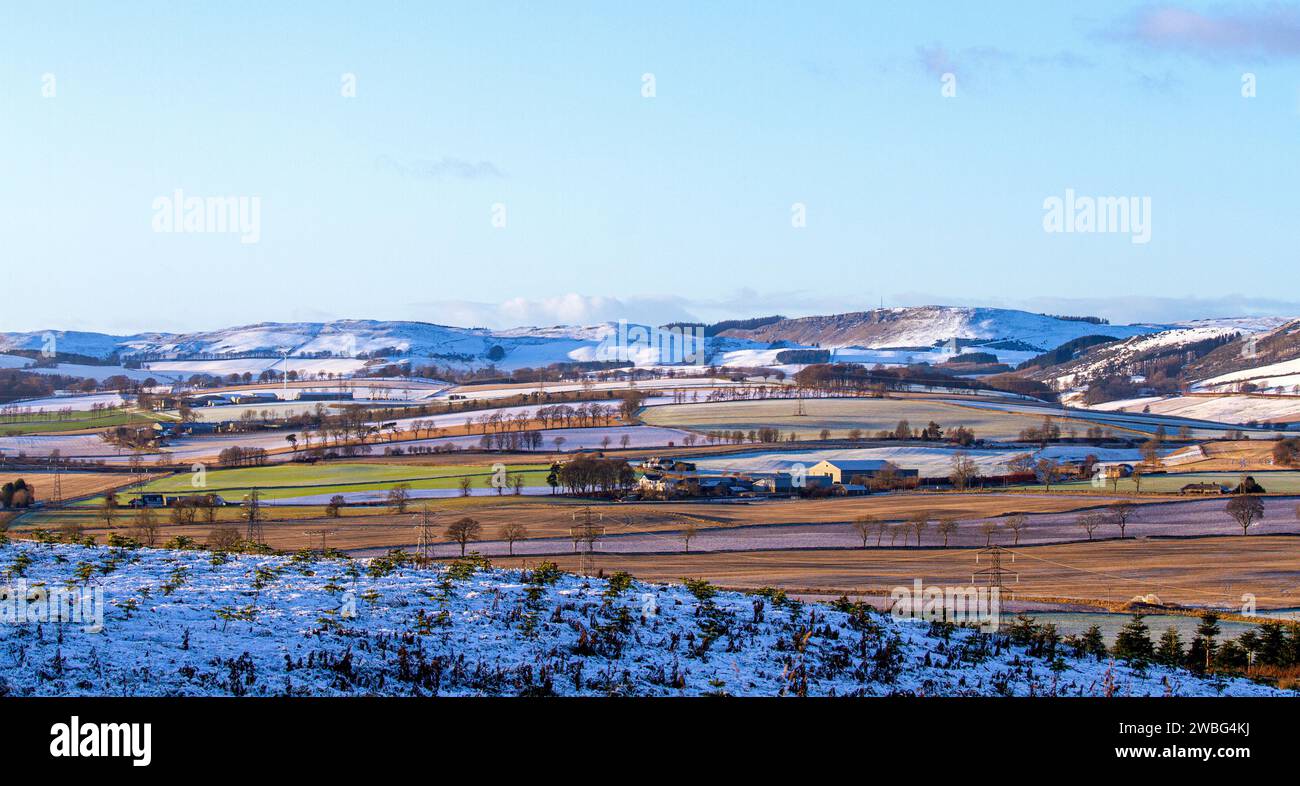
(780, 483)
(186, 429)
(254, 398)
(667, 464)
(325, 395)
(855, 472)
(1203, 488)
(1112, 471)
(208, 400)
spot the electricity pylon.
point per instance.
(587, 531)
(425, 537)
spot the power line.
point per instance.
(324, 533)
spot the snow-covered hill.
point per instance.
(195, 623)
(922, 334)
(1269, 361)
(927, 326)
(1127, 356)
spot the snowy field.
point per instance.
(307, 368)
(579, 438)
(76, 403)
(1284, 375)
(1135, 421)
(478, 392)
(206, 447)
(1224, 409)
(90, 446)
(99, 373)
(189, 623)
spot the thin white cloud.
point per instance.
(569, 309)
(443, 168)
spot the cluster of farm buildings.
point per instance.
(667, 477)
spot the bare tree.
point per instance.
(964, 470)
(947, 528)
(1047, 471)
(989, 528)
(223, 538)
(184, 512)
(688, 531)
(1091, 522)
(917, 523)
(1121, 513)
(399, 496)
(108, 510)
(1246, 509)
(514, 531)
(865, 526)
(465, 483)
(209, 504)
(1017, 524)
(146, 527)
(1150, 451)
(464, 531)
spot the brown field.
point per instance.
(1227, 457)
(75, 484)
(1212, 571)
(374, 528)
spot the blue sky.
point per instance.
(623, 206)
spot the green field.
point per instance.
(283, 481)
(1281, 482)
(76, 422)
(843, 414)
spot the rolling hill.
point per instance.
(896, 336)
(932, 326)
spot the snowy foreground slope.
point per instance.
(186, 623)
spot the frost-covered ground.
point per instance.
(1282, 376)
(1224, 409)
(186, 623)
(76, 403)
